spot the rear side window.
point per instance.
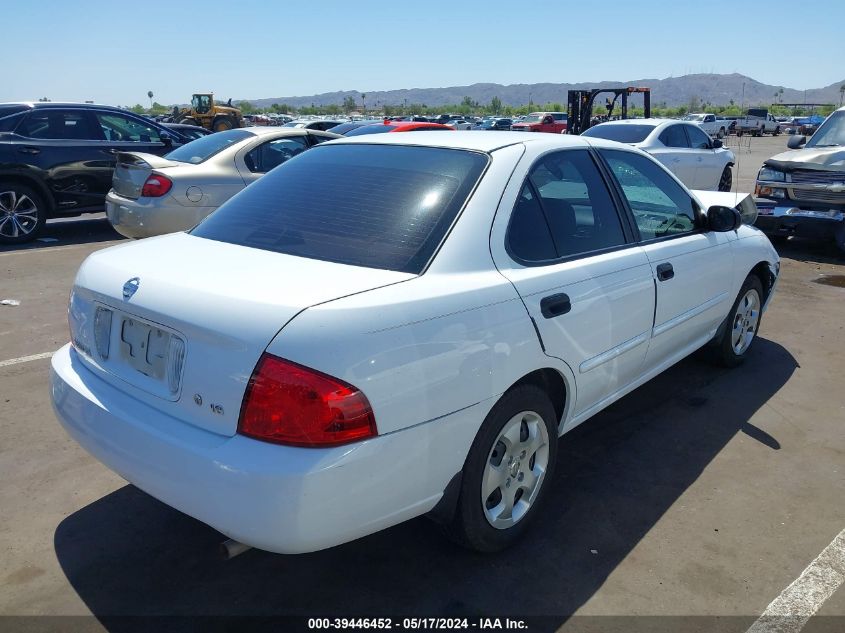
(59, 124)
(673, 136)
(577, 209)
(379, 206)
(202, 149)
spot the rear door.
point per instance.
(586, 285)
(63, 145)
(676, 155)
(692, 268)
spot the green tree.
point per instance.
(137, 108)
(245, 106)
(348, 104)
(495, 105)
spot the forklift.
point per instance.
(580, 110)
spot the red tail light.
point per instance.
(286, 403)
(156, 186)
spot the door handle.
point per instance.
(555, 305)
(665, 271)
(29, 150)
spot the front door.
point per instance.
(587, 287)
(693, 268)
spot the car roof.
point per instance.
(651, 121)
(477, 141)
(67, 104)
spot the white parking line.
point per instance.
(25, 359)
(789, 612)
(53, 249)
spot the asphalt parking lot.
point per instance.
(699, 498)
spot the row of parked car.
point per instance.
(154, 178)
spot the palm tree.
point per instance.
(150, 95)
(841, 93)
(363, 103)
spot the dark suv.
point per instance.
(56, 159)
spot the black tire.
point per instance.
(23, 213)
(470, 526)
(222, 123)
(190, 121)
(724, 351)
(726, 179)
(776, 132)
(721, 133)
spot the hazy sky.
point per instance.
(115, 51)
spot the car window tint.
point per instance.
(58, 124)
(673, 136)
(661, 206)
(529, 238)
(379, 206)
(9, 122)
(578, 207)
(698, 138)
(273, 153)
(202, 149)
(117, 127)
(621, 132)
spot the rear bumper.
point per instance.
(278, 498)
(785, 220)
(146, 217)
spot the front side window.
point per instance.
(661, 206)
(59, 125)
(697, 137)
(575, 205)
(378, 206)
(117, 127)
(673, 136)
(273, 153)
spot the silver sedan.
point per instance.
(153, 195)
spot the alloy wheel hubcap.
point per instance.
(18, 214)
(745, 321)
(515, 469)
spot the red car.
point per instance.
(397, 126)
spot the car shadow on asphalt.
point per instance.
(618, 474)
(810, 251)
(67, 232)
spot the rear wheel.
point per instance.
(726, 179)
(742, 324)
(23, 213)
(776, 132)
(721, 133)
(506, 473)
(222, 123)
(189, 121)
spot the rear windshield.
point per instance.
(758, 112)
(623, 133)
(376, 128)
(379, 206)
(202, 149)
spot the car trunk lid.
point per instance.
(133, 169)
(221, 303)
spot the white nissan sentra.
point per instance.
(386, 327)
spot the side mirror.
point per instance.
(717, 143)
(723, 219)
(166, 138)
(796, 142)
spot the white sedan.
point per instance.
(153, 195)
(399, 324)
(697, 160)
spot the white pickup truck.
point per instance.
(757, 121)
(716, 128)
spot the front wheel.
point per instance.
(726, 179)
(506, 473)
(221, 124)
(776, 132)
(22, 213)
(742, 324)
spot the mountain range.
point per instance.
(716, 89)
